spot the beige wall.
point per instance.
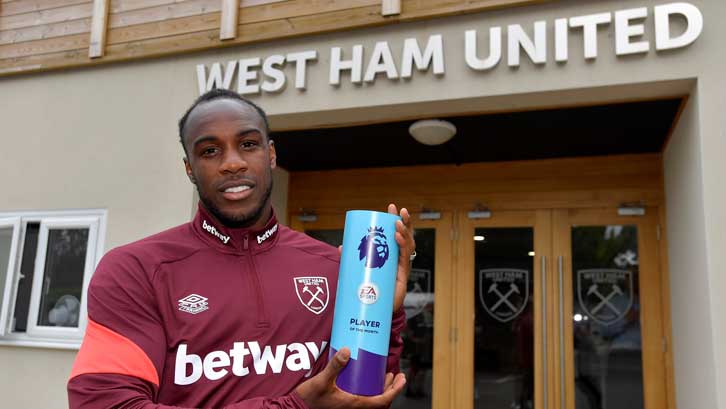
(687, 250)
(106, 137)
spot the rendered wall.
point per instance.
(692, 317)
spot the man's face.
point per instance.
(230, 160)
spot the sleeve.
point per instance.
(122, 356)
(125, 392)
(395, 345)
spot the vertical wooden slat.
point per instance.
(390, 7)
(228, 20)
(99, 24)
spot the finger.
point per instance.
(340, 250)
(389, 381)
(392, 209)
(405, 216)
(339, 361)
(390, 393)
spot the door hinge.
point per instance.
(453, 335)
(657, 232)
(665, 344)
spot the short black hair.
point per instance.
(220, 93)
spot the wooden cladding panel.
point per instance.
(179, 27)
(49, 16)
(556, 183)
(29, 6)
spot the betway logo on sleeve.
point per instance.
(266, 235)
(218, 364)
(213, 231)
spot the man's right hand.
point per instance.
(320, 391)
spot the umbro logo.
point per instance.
(193, 304)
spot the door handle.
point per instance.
(562, 332)
(544, 329)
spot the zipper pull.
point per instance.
(244, 243)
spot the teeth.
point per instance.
(236, 189)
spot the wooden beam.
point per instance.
(99, 23)
(390, 7)
(228, 21)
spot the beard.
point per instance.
(243, 220)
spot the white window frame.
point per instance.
(42, 336)
(7, 287)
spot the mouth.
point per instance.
(237, 190)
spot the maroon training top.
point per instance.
(205, 316)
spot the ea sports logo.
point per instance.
(368, 293)
(374, 248)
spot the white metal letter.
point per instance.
(412, 55)
(215, 76)
(244, 75)
(381, 61)
(694, 25)
(301, 59)
(562, 45)
(624, 31)
(589, 25)
(536, 50)
(355, 65)
(495, 49)
(272, 67)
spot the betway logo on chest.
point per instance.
(267, 234)
(218, 364)
(213, 231)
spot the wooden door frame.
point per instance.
(540, 222)
(654, 358)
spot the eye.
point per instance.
(209, 151)
(248, 144)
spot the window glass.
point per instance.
(334, 237)
(6, 241)
(606, 318)
(65, 264)
(504, 318)
(25, 285)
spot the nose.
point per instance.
(233, 162)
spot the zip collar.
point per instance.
(222, 237)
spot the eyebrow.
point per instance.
(240, 134)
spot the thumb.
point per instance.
(337, 363)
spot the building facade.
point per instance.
(569, 235)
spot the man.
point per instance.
(208, 314)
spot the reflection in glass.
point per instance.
(334, 237)
(6, 239)
(418, 337)
(65, 263)
(606, 319)
(25, 283)
(504, 325)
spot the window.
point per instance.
(46, 263)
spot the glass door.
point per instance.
(426, 358)
(607, 281)
(502, 356)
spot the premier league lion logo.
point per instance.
(374, 248)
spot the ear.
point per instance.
(188, 169)
(273, 154)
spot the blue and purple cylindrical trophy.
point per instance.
(364, 300)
